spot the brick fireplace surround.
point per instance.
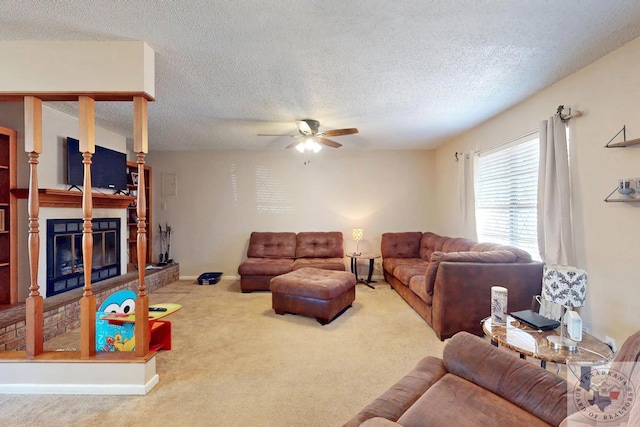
(62, 312)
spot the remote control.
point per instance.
(157, 309)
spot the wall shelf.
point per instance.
(609, 198)
(631, 200)
(623, 143)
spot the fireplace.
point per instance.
(65, 267)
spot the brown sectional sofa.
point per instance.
(477, 384)
(448, 280)
(271, 254)
(474, 384)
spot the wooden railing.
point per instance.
(33, 147)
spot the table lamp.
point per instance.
(357, 235)
(567, 286)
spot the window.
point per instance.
(506, 188)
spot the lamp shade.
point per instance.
(357, 233)
(564, 285)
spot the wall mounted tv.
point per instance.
(108, 167)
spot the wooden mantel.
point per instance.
(50, 197)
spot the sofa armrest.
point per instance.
(396, 400)
(462, 293)
(379, 422)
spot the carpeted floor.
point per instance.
(235, 362)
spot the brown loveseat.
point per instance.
(448, 280)
(271, 254)
(474, 384)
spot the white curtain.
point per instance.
(467, 202)
(555, 235)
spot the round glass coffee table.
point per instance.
(533, 343)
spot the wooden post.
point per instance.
(141, 147)
(88, 300)
(34, 302)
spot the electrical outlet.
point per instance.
(611, 342)
(585, 328)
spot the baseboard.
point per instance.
(97, 377)
(93, 389)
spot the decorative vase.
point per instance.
(625, 187)
(499, 297)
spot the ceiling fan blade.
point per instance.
(339, 132)
(328, 142)
(293, 144)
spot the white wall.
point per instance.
(223, 196)
(56, 126)
(606, 234)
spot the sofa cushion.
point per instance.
(323, 263)
(272, 245)
(455, 401)
(404, 272)
(401, 245)
(319, 245)
(430, 243)
(390, 264)
(522, 255)
(470, 256)
(265, 266)
(528, 386)
(457, 244)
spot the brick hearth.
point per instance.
(62, 312)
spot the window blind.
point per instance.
(506, 196)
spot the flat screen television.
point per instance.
(108, 167)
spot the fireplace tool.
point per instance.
(166, 254)
(163, 238)
(165, 244)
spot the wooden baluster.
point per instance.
(34, 302)
(141, 147)
(88, 300)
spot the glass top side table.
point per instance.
(533, 343)
(371, 256)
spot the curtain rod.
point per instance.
(478, 152)
(564, 117)
(507, 142)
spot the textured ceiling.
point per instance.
(408, 74)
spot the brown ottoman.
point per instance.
(323, 294)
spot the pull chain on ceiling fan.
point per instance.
(312, 140)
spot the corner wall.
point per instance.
(606, 234)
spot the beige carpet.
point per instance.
(236, 363)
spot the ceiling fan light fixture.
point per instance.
(309, 139)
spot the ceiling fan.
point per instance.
(310, 139)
